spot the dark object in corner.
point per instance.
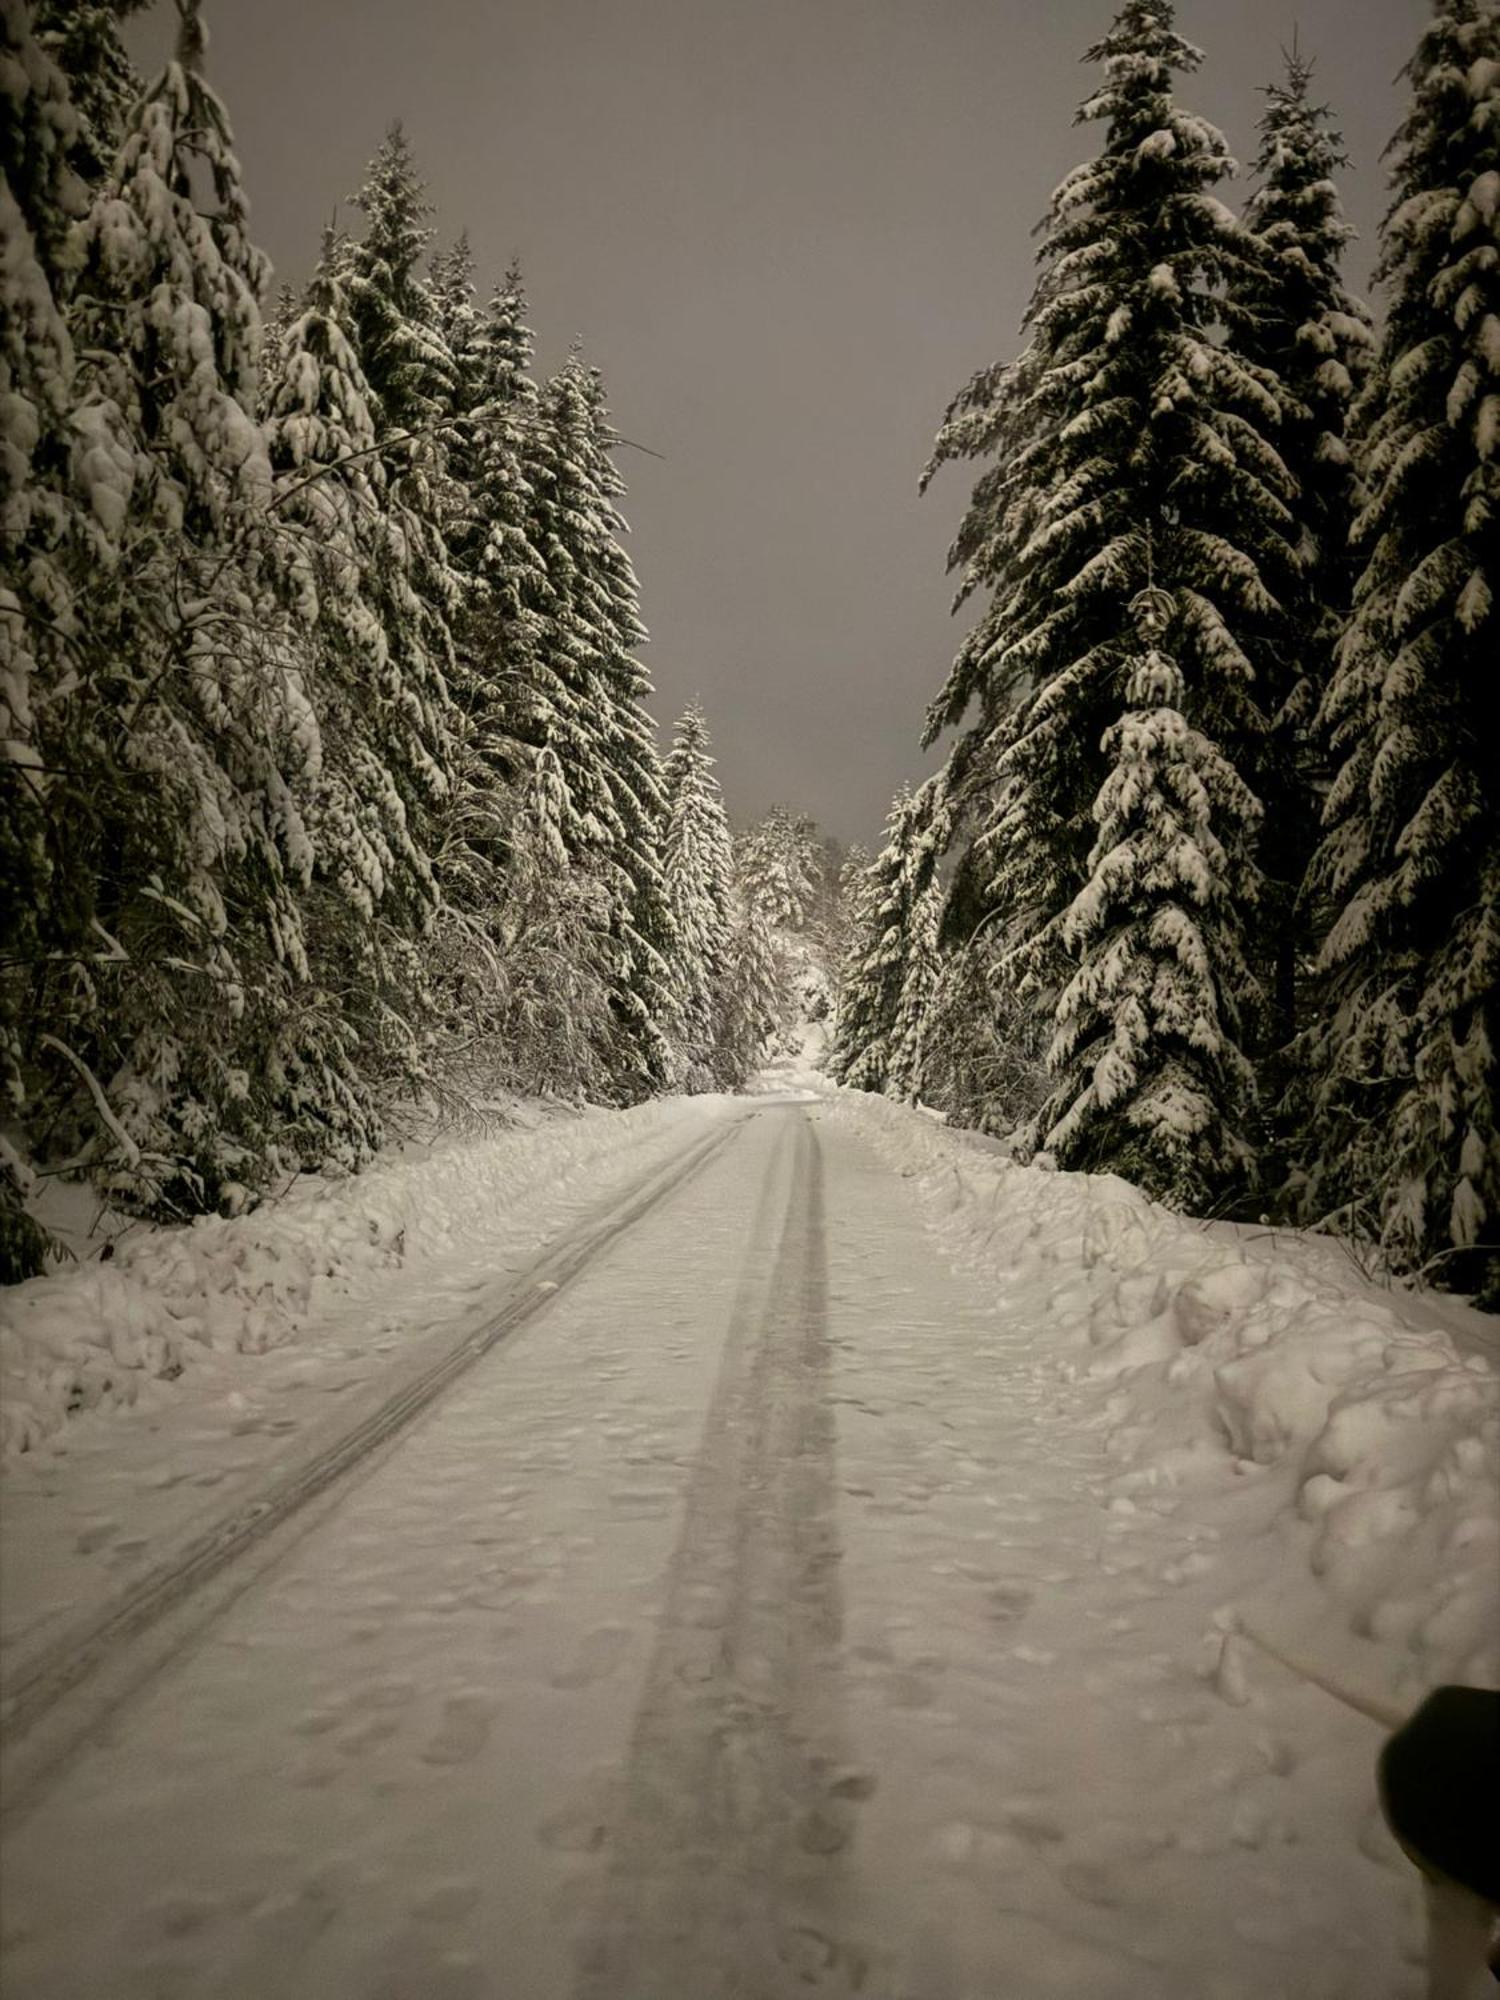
(1440, 1788)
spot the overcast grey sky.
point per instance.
(787, 230)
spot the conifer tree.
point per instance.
(1292, 317)
(1147, 1049)
(876, 1039)
(173, 1065)
(698, 865)
(394, 325)
(378, 692)
(846, 928)
(556, 1024)
(394, 314)
(905, 1074)
(593, 710)
(46, 539)
(1131, 455)
(82, 37)
(754, 1014)
(779, 861)
(1404, 1061)
(451, 282)
(504, 684)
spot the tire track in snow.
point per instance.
(737, 1798)
(55, 1701)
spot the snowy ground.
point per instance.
(832, 1589)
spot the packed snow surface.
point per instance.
(840, 1586)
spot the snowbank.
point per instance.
(89, 1336)
(1222, 1354)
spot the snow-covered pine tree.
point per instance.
(923, 967)
(846, 927)
(1292, 317)
(877, 1026)
(394, 324)
(451, 283)
(1404, 1061)
(1130, 452)
(555, 1024)
(779, 860)
(594, 714)
(393, 310)
(755, 988)
(82, 37)
(47, 538)
(504, 686)
(698, 865)
(187, 853)
(277, 322)
(377, 689)
(1152, 1081)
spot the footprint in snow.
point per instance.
(1008, 1603)
(816, 1960)
(446, 1902)
(597, 1656)
(905, 1690)
(464, 1731)
(365, 1735)
(176, 1916)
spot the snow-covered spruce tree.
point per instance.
(778, 859)
(451, 283)
(1130, 453)
(555, 1024)
(82, 37)
(503, 685)
(179, 1066)
(394, 323)
(877, 1029)
(376, 688)
(1152, 1083)
(1293, 318)
(394, 313)
(47, 538)
(908, 1044)
(755, 995)
(845, 928)
(1404, 1061)
(698, 865)
(593, 712)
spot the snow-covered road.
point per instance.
(754, 1620)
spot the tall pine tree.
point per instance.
(376, 688)
(49, 538)
(1292, 316)
(698, 864)
(182, 1064)
(594, 711)
(889, 979)
(1405, 1062)
(1132, 467)
(394, 311)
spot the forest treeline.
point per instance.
(1207, 890)
(329, 780)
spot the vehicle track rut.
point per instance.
(737, 1798)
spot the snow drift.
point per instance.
(1219, 1352)
(89, 1336)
